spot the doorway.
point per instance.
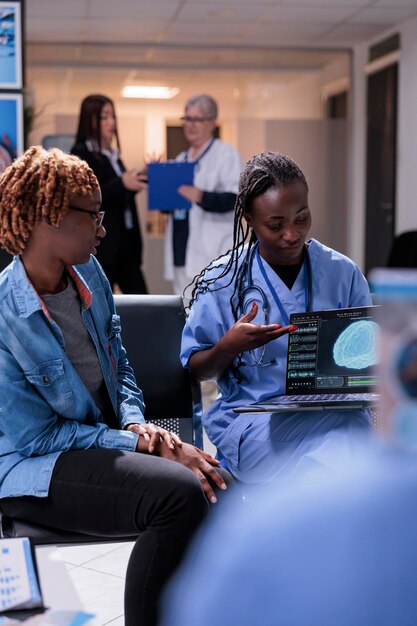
(176, 142)
(381, 165)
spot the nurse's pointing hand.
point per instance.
(244, 335)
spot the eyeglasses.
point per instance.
(195, 120)
(98, 216)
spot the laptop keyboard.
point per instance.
(326, 397)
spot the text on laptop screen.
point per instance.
(332, 351)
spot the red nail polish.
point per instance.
(292, 328)
(253, 305)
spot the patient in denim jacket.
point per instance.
(75, 451)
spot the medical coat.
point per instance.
(257, 446)
(210, 234)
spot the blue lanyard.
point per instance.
(307, 286)
(201, 155)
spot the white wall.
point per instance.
(319, 147)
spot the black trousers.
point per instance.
(116, 493)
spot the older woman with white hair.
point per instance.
(196, 237)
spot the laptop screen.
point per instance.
(332, 351)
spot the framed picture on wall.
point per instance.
(11, 128)
(10, 45)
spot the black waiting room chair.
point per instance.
(63, 141)
(151, 334)
(403, 251)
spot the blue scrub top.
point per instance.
(248, 441)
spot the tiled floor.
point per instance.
(97, 572)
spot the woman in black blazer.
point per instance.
(120, 253)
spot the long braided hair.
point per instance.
(37, 186)
(261, 172)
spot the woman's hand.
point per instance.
(193, 194)
(133, 180)
(163, 443)
(199, 462)
(244, 335)
(152, 436)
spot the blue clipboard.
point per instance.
(163, 182)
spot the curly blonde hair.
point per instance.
(37, 186)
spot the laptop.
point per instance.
(331, 363)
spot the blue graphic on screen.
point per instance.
(355, 348)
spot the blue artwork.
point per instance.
(10, 129)
(10, 46)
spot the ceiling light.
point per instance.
(149, 91)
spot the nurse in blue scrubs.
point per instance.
(237, 327)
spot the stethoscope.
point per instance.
(251, 288)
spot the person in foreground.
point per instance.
(193, 238)
(314, 551)
(98, 143)
(75, 451)
(239, 318)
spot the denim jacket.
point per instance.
(45, 408)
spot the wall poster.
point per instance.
(11, 128)
(10, 45)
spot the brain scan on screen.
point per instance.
(355, 346)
